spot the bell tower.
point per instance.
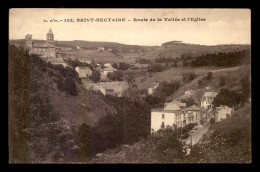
(28, 41)
(50, 36)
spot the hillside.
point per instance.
(129, 53)
(232, 78)
(228, 141)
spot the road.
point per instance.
(197, 135)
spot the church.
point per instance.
(46, 49)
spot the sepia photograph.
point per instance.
(129, 86)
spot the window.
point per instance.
(162, 116)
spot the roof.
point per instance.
(210, 94)
(39, 45)
(110, 68)
(163, 110)
(176, 102)
(172, 106)
(193, 108)
(50, 32)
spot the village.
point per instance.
(174, 113)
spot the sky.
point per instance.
(221, 26)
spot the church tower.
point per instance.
(51, 50)
(50, 36)
(28, 41)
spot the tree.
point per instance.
(114, 65)
(189, 101)
(95, 76)
(115, 76)
(130, 78)
(123, 66)
(212, 121)
(70, 87)
(226, 97)
(209, 76)
(222, 81)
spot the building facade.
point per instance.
(207, 99)
(46, 49)
(223, 112)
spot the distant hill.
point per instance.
(168, 49)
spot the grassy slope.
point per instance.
(228, 141)
(175, 74)
(88, 107)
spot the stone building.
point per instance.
(46, 50)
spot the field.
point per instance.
(172, 74)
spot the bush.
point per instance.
(95, 76)
(212, 121)
(222, 81)
(70, 87)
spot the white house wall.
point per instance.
(156, 119)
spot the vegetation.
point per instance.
(128, 125)
(95, 76)
(115, 76)
(36, 133)
(189, 101)
(222, 59)
(165, 59)
(160, 147)
(229, 141)
(188, 77)
(206, 80)
(144, 61)
(156, 68)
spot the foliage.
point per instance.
(123, 66)
(130, 78)
(188, 77)
(95, 76)
(115, 76)
(212, 121)
(144, 61)
(230, 141)
(226, 97)
(156, 68)
(164, 59)
(165, 89)
(222, 59)
(36, 134)
(189, 101)
(222, 81)
(128, 125)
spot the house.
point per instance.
(108, 70)
(84, 61)
(173, 113)
(223, 112)
(101, 48)
(153, 88)
(107, 65)
(207, 99)
(193, 115)
(83, 72)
